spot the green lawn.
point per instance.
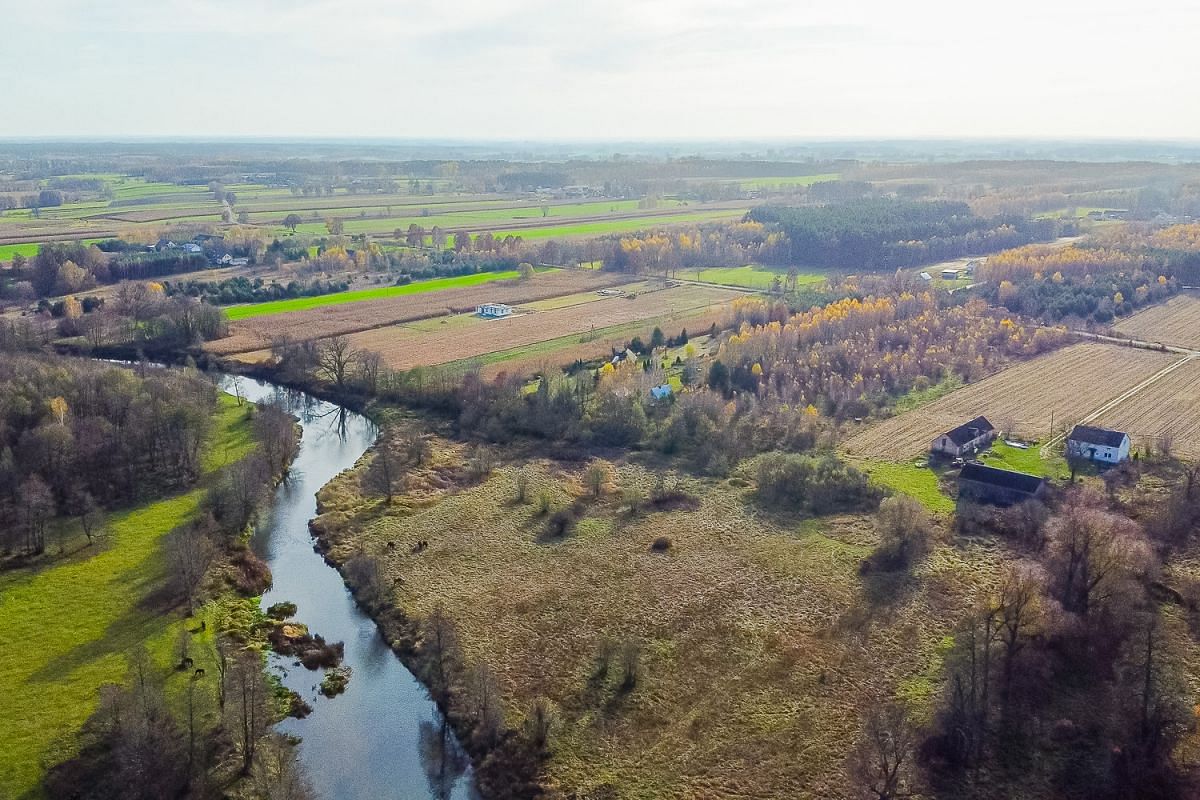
(68, 627)
(301, 303)
(1030, 461)
(750, 276)
(909, 478)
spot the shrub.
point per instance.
(282, 610)
(661, 544)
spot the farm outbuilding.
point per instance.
(494, 310)
(968, 438)
(1001, 487)
(949, 274)
(1098, 444)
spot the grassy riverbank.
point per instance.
(67, 627)
(759, 643)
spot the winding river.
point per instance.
(384, 737)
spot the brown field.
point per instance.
(1068, 384)
(404, 347)
(256, 333)
(762, 646)
(556, 358)
(1176, 322)
(1170, 406)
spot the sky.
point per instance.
(600, 69)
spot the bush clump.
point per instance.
(801, 483)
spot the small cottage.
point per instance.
(494, 310)
(968, 438)
(1001, 487)
(661, 392)
(1098, 444)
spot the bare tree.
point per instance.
(1091, 551)
(486, 708)
(904, 529)
(247, 713)
(385, 472)
(1019, 615)
(277, 773)
(881, 764)
(190, 552)
(439, 643)
(275, 431)
(335, 356)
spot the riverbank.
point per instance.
(67, 627)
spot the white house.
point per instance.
(661, 392)
(1098, 444)
(494, 310)
(968, 438)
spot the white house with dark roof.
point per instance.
(968, 438)
(1098, 444)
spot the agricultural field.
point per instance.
(553, 354)
(750, 276)
(1066, 384)
(249, 310)
(403, 347)
(1168, 408)
(761, 644)
(1175, 322)
(631, 224)
(256, 333)
(68, 628)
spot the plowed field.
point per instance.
(1176, 322)
(1069, 384)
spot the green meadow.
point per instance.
(67, 627)
(750, 276)
(302, 303)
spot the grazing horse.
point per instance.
(199, 673)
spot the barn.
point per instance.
(1000, 487)
(1098, 444)
(966, 439)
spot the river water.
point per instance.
(384, 737)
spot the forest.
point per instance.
(894, 233)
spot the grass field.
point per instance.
(750, 276)
(1065, 384)
(761, 645)
(403, 348)
(67, 627)
(1176, 322)
(913, 478)
(303, 303)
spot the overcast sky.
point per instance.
(600, 69)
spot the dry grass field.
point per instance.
(1068, 384)
(257, 332)
(1176, 322)
(761, 645)
(556, 354)
(404, 347)
(1171, 406)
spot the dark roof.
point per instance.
(1101, 436)
(969, 431)
(1002, 478)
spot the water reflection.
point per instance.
(377, 739)
(442, 758)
